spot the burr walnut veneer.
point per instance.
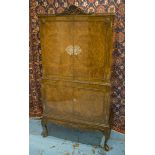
(76, 59)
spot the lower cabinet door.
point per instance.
(91, 104)
(57, 98)
(75, 101)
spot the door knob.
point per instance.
(74, 100)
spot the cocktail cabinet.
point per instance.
(76, 53)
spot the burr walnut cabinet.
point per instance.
(76, 61)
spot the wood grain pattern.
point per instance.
(56, 37)
(76, 87)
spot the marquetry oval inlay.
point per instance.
(73, 50)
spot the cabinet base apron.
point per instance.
(84, 126)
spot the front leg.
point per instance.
(107, 136)
(44, 126)
(106, 132)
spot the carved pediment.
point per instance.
(73, 10)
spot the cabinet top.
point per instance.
(73, 10)
(78, 18)
(86, 15)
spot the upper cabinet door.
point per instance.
(56, 44)
(92, 42)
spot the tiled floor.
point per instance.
(64, 141)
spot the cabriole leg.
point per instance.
(44, 126)
(107, 136)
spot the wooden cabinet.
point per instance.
(76, 59)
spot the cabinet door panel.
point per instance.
(91, 104)
(57, 97)
(89, 64)
(56, 36)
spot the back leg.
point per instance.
(44, 126)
